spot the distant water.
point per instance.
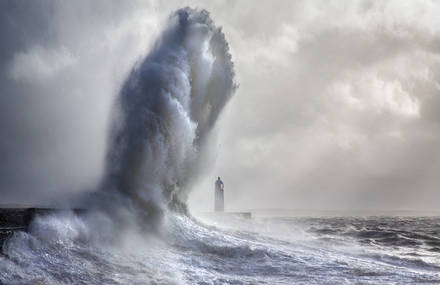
(381, 250)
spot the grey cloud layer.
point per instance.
(337, 107)
(61, 64)
(338, 104)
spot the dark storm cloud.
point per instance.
(56, 86)
(20, 26)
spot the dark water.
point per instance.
(346, 250)
(415, 234)
(65, 249)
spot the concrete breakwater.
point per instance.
(19, 218)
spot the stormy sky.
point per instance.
(338, 105)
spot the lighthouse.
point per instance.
(219, 200)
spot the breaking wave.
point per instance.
(165, 111)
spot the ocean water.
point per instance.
(65, 249)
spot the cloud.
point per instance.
(343, 118)
(40, 63)
(338, 103)
(61, 66)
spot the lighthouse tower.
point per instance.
(219, 200)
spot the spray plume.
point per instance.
(166, 109)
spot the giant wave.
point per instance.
(166, 109)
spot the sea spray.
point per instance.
(166, 108)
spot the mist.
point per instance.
(166, 110)
(338, 104)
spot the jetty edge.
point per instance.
(18, 218)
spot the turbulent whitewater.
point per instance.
(137, 229)
(61, 250)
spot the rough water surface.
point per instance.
(60, 249)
